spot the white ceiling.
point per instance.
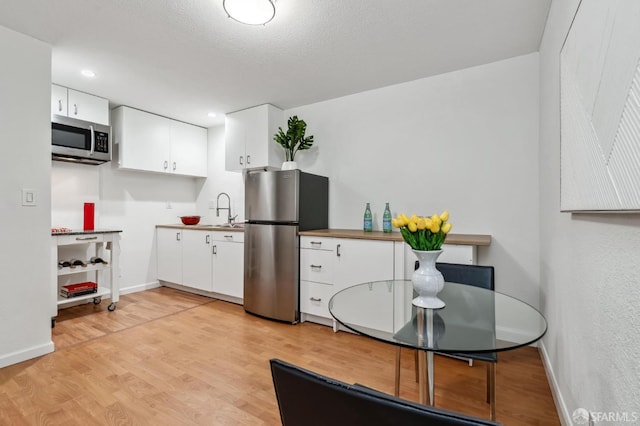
(185, 58)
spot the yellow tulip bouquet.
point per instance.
(423, 233)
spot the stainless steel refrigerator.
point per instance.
(278, 204)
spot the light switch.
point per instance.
(29, 197)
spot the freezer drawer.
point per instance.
(271, 286)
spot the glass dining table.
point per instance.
(474, 320)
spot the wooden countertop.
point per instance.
(456, 239)
(202, 227)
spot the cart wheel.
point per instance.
(97, 300)
(111, 307)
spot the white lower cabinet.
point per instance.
(314, 298)
(209, 261)
(196, 260)
(328, 265)
(228, 263)
(169, 254)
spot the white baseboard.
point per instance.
(224, 297)
(139, 287)
(26, 354)
(561, 407)
(316, 319)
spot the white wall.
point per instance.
(25, 135)
(465, 141)
(589, 271)
(219, 180)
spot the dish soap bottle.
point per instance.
(368, 219)
(386, 219)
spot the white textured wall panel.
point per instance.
(624, 163)
(599, 97)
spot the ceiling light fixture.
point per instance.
(212, 114)
(88, 73)
(252, 12)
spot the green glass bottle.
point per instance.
(386, 219)
(368, 219)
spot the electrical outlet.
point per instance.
(212, 204)
(169, 206)
(29, 197)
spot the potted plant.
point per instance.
(293, 141)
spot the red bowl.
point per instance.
(190, 220)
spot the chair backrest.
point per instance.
(310, 399)
(475, 275)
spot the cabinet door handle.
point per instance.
(166, 165)
(248, 159)
(316, 266)
(315, 243)
(207, 239)
(214, 250)
(177, 236)
(174, 166)
(338, 250)
(75, 109)
(229, 237)
(60, 105)
(315, 299)
(241, 160)
(86, 238)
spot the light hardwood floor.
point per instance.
(165, 357)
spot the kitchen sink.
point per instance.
(231, 225)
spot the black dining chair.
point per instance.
(474, 275)
(306, 398)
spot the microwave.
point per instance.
(79, 141)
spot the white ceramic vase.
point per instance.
(427, 280)
(289, 165)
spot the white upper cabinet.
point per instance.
(249, 138)
(58, 100)
(74, 104)
(153, 143)
(186, 142)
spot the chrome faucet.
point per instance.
(228, 208)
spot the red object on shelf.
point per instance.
(87, 285)
(89, 210)
(79, 289)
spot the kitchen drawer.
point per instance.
(231, 237)
(65, 240)
(318, 243)
(316, 266)
(314, 298)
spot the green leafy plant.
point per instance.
(293, 140)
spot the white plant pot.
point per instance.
(289, 165)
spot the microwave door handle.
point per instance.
(93, 141)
